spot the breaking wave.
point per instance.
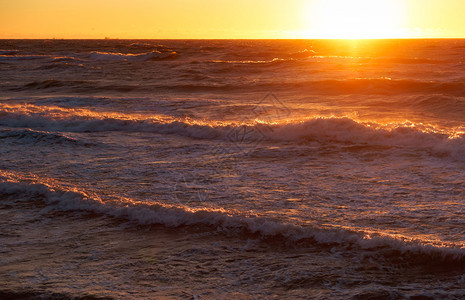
(323, 130)
(154, 55)
(92, 56)
(24, 188)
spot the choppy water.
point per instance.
(232, 169)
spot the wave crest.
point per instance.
(154, 55)
(332, 130)
(25, 188)
(29, 136)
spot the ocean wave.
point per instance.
(407, 60)
(363, 86)
(73, 85)
(29, 136)
(60, 66)
(8, 52)
(24, 188)
(66, 59)
(154, 55)
(333, 130)
(303, 54)
(12, 57)
(249, 62)
(95, 55)
(203, 83)
(25, 293)
(149, 46)
(438, 103)
(374, 86)
(383, 86)
(54, 83)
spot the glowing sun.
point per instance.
(355, 19)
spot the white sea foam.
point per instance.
(18, 187)
(322, 130)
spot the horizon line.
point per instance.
(212, 39)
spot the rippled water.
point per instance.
(232, 169)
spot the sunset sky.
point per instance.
(231, 19)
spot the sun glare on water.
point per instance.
(355, 19)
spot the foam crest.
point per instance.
(331, 130)
(154, 55)
(24, 187)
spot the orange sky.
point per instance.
(156, 19)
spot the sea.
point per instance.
(232, 169)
